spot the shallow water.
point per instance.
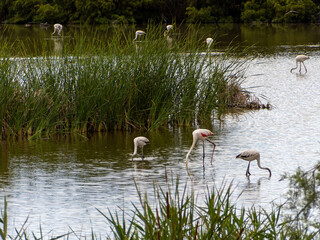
(60, 183)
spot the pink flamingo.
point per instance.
(300, 59)
(139, 33)
(139, 142)
(57, 28)
(251, 155)
(200, 134)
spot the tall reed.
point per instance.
(91, 85)
(175, 214)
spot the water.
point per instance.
(60, 183)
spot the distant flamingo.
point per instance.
(200, 134)
(57, 28)
(139, 33)
(300, 59)
(209, 41)
(168, 31)
(139, 142)
(169, 27)
(251, 155)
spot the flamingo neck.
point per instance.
(190, 150)
(258, 162)
(135, 149)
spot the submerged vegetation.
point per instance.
(85, 85)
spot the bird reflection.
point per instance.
(57, 45)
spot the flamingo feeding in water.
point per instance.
(139, 33)
(139, 142)
(300, 59)
(200, 134)
(251, 155)
(57, 28)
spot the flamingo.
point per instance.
(209, 41)
(169, 27)
(200, 134)
(139, 33)
(139, 142)
(57, 28)
(251, 155)
(300, 59)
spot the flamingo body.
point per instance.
(169, 27)
(139, 142)
(251, 155)
(200, 134)
(57, 28)
(209, 42)
(139, 33)
(300, 60)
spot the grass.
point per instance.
(175, 213)
(91, 85)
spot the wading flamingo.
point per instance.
(139, 33)
(209, 41)
(57, 28)
(200, 134)
(139, 142)
(300, 59)
(251, 155)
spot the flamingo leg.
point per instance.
(203, 156)
(304, 66)
(214, 147)
(248, 173)
(142, 157)
(300, 67)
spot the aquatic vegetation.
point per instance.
(94, 86)
(175, 214)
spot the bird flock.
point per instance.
(199, 134)
(202, 135)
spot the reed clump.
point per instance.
(91, 85)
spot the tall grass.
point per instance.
(92, 85)
(175, 214)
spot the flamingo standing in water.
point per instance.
(300, 59)
(251, 155)
(57, 28)
(139, 142)
(200, 134)
(139, 33)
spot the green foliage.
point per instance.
(4, 221)
(304, 201)
(119, 85)
(279, 11)
(202, 15)
(143, 11)
(175, 214)
(46, 13)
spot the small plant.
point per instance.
(4, 221)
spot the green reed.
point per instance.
(92, 85)
(175, 214)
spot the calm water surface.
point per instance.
(60, 183)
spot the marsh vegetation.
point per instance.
(94, 86)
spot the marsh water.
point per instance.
(58, 184)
